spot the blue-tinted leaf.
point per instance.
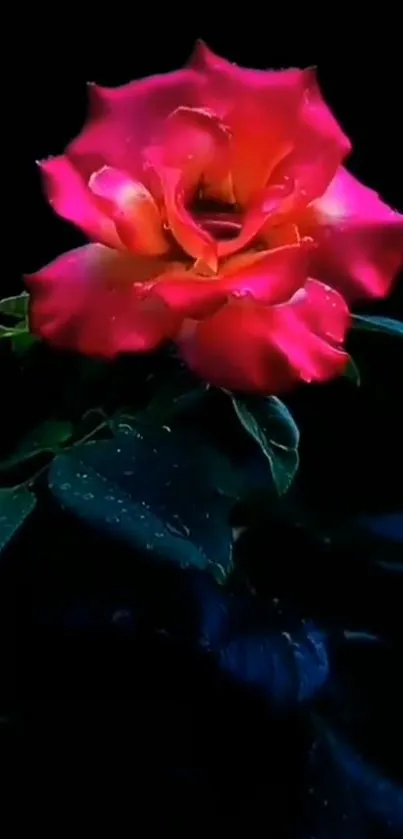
(352, 372)
(377, 323)
(360, 637)
(15, 506)
(152, 489)
(288, 667)
(224, 476)
(270, 424)
(388, 526)
(379, 797)
(391, 567)
(46, 437)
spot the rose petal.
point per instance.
(124, 120)
(323, 310)
(360, 238)
(250, 347)
(191, 156)
(261, 108)
(133, 210)
(269, 276)
(320, 145)
(194, 240)
(90, 300)
(197, 142)
(70, 198)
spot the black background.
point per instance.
(76, 684)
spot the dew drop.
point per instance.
(179, 528)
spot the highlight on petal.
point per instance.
(122, 121)
(268, 276)
(90, 300)
(360, 238)
(70, 197)
(133, 210)
(250, 347)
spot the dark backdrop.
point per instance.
(76, 678)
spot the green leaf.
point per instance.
(153, 489)
(352, 372)
(173, 397)
(15, 507)
(16, 307)
(46, 437)
(377, 323)
(224, 475)
(270, 423)
(9, 331)
(23, 341)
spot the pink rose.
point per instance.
(222, 218)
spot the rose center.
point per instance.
(221, 220)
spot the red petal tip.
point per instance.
(45, 162)
(201, 54)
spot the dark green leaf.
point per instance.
(352, 372)
(172, 398)
(46, 437)
(124, 422)
(270, 423)
(377, 323)
(152, 489)
(15, 313)
(9, 331)
(15, 507)
(223, 474)
(22, 341)
(16, 307)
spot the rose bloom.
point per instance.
(221, 219)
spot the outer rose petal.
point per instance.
(319, 147)
(89, 300)
(70, 198)
(124, 120)
(261, 108)
(282, 128)
(132, 208)
(360, 238)
(269, 276)
(249, 347)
